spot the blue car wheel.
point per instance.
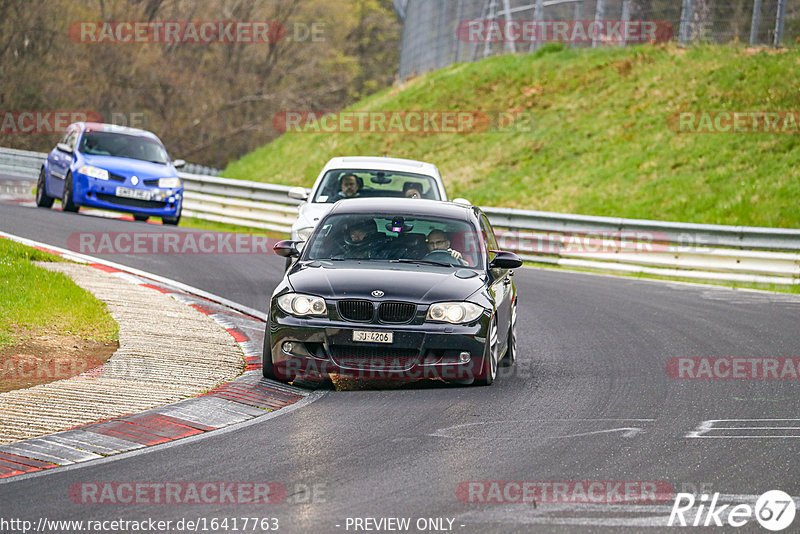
(43, 200)
(67, 201)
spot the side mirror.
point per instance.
(179, 163)
(505, 260)
(298, 193)
(286, 249)
(462, 201)
(64, 148)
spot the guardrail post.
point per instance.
(780, 17)
(599, 15)
(626, 17)
(538, 16)
(756, 22)
(687, 12)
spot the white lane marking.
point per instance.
(627, 432)
(742, 428)
(451, 432)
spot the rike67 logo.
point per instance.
(774, 510)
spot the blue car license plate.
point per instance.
(141, 194)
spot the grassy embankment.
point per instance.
(36, 302)
(601, 142)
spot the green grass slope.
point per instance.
(601, 141)
(36, 301)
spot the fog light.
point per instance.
(464, 357)
(287, 347)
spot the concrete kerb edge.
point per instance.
(163, 425)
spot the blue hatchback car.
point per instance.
(114, 168)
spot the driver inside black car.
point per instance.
(439, 243)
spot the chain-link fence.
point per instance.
(438, 33)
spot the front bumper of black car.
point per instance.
(322, 348)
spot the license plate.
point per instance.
(141, 194)
(373, 337)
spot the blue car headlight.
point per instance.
(94, 172)
(169, 182)
(454, 312)
(302, 305)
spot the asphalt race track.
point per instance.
(589, 400)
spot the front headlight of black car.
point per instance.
(454, 312)
(302, 305)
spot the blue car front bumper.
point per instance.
(119, 196)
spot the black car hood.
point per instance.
(405, 282)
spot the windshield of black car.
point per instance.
(396, 237)
(123, 146)
(373, 183)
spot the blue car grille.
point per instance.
(116, 177)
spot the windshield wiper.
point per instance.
(422, 262)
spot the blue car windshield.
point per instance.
(123, 146)
(397, 238)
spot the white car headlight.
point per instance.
(304, 233)
(94, 172)
(454, 312)
(302, 305)
(169, 182)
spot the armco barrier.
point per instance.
(698, 251)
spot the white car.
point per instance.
(374, 176)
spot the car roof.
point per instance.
(113, 128)
(406, 206)
(381, 164)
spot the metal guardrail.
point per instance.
(697, 251)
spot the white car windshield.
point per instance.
(353, 183)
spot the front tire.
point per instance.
(267, 369)
(68, 200)
(172, 221)
(140, 218)
(489, 371)
(511, 352)
(43, 200)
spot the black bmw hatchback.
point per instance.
(403, 289)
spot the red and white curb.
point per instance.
(245, 398)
